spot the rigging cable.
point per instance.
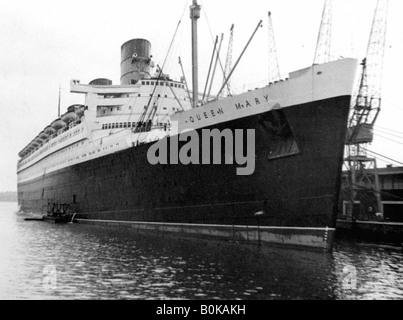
(387, 129)
(380, 192)
(391, 140)
(144, 115)
(377, 154)
(212, 37)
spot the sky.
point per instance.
(46, 43)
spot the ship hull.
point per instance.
(291, 198)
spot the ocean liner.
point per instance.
(94, 161)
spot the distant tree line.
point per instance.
(9, 196)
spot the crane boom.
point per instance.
(367, 105)
(322, 53)
(228, 62)
(362, 170)
(274, 70)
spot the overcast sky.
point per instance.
(45, 43)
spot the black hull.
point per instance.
(299, 189)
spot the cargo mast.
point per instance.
(365, 110)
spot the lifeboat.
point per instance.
(38, 140)
(31, 147)
(49, 130)
(72, 108)
(58, 124)
(34, 144)
(69, 116)
(43, 135)
(79, 110)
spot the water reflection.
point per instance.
(97, 263)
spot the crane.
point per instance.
(322, 53)
(362, 170)
(228, 62)
(274, 70)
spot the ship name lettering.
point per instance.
(247, 104)
(207, 115)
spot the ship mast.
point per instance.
(194, 16)
(58, 109)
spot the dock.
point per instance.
(385, 232)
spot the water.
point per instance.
(40, 260)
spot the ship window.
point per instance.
(113, 126)
(148, 83)
(176, 85)
(152, 83)
(143, 83)
(119, 108)
(125, 125)
(172, 84)
(161, 83)
(111, 109)
(139, 95)
(133, 124)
